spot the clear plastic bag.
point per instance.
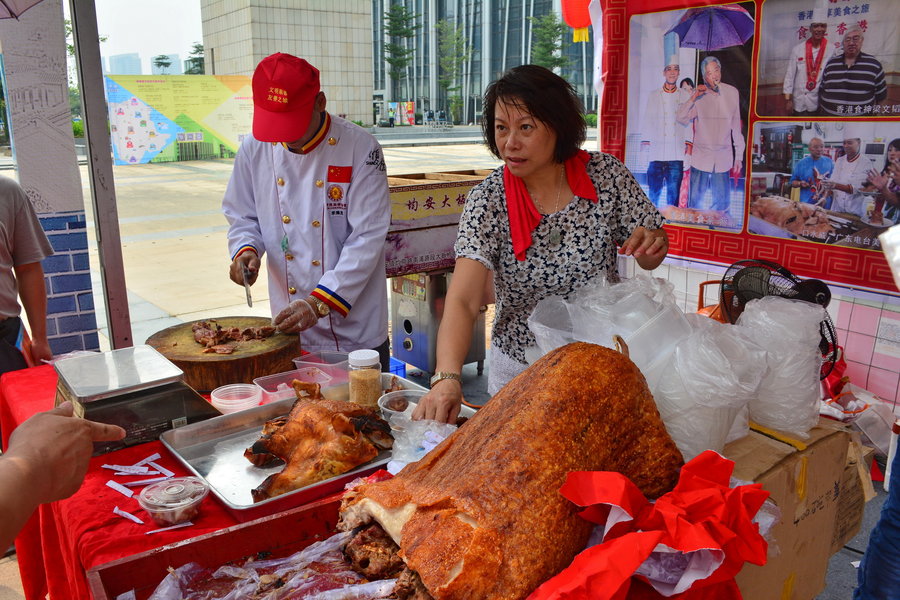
(595, 314)
(874, 421)
(788, 398)
(318, 572)
(414, 439)
(710, 379)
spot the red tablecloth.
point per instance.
(64, 539)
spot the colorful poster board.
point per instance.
(695, 104)
(151, 117)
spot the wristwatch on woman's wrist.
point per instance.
(441, 375)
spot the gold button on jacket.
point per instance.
(316, 263)
(319, 183)
(285, 219)
(316, 223)
(280, 181)
(292, 290)
(289, 256)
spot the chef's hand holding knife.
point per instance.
(248, 261)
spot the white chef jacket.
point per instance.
(795, 76)
(856, 174)
(321, 218)
(665, 134)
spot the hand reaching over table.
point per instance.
(46, 460)
(442, 403)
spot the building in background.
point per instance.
(194, 66)
(499, 34)
(125, 64)
(335, 36)
(345, 39)
(159, 67)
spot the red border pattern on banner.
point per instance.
(849, 266)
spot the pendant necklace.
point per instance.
(555, 233)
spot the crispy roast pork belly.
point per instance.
(481, 515)
(317, 440)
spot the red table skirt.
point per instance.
(64, 539)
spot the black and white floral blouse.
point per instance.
(585, 251)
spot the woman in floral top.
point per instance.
(548, 222)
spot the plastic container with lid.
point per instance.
(332, 363)
(278, 386)
(365, 378)
(173, 501)
(399, 402)
(236, 396)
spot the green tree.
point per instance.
(400, 27)
(195, 61)
(453, 50)
(456, 103)
(74, 101)
(74, 93)
(547, 41)
(162, 62)
(70, 38)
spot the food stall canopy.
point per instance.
(11, 9)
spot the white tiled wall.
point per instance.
(867, 323)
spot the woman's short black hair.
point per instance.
(687, 80)
(544, 95)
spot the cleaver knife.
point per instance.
(246, 273)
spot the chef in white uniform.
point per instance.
(850, 175)
(310, 191)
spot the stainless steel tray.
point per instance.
(214, 450)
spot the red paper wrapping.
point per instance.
(702, 517)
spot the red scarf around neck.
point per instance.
(524, 216)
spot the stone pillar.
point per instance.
(36, 86)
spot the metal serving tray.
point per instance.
(214, 450)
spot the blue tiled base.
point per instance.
(71, 320)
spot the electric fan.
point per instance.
(751, 279)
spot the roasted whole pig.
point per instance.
(481, 516)
(317, 440)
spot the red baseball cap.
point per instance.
(284, 94)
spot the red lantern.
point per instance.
(576, 15)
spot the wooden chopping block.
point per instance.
(251, 359)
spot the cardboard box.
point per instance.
(816, 491)
(425, 210)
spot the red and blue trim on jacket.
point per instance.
(332, 299)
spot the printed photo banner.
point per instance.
(762, 129)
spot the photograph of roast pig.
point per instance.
(318, 439)
(480, 516)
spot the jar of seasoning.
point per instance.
(365, 378)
